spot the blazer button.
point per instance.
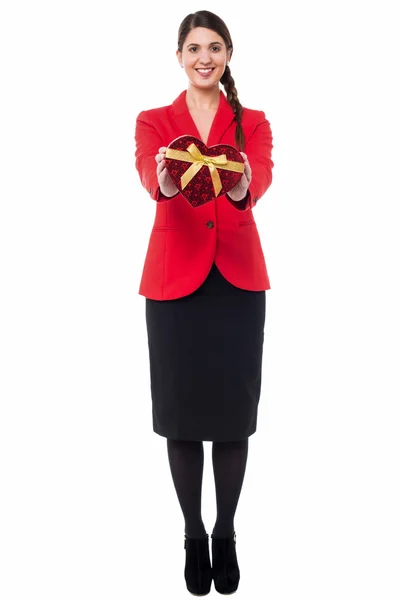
(210, 224)
(150, 190)
(255, 200)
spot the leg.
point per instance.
(229, 464)
(186, 459)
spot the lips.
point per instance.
(205, 74)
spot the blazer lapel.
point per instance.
(185, 124)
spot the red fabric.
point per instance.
(185, 241)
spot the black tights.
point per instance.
(186, 459)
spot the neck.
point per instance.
(197, 98)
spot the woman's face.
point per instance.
(204, 57)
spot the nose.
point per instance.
(205, 58)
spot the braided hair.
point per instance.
(207, 19)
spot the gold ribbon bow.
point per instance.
(193, 155)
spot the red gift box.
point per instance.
(203, 173)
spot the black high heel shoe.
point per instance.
(225, 568)
(198, 572)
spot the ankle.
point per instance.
(196, 532)
(223, 531)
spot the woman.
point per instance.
(204, 280)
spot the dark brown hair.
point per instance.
(207, 19)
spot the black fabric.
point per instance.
(205, 353)
(229, 465)
(186, 461)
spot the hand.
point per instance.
(240, 190)
(167, 186)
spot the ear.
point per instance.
(179, 57)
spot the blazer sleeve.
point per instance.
(259, 150)
(148, 141)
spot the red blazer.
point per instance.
(185, 241)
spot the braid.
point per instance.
(232, 96)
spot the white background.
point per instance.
(87, 505)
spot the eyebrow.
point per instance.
(212, 44)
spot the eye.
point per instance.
(217, 48)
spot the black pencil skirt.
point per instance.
(205, 352)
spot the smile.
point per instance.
(205, 71)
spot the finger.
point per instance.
(243, 181)
(246, 163)
(162, 149)
(247, 176)
(160, 167)
(159, 157)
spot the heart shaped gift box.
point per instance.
(203, 173)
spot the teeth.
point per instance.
(204, 70)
